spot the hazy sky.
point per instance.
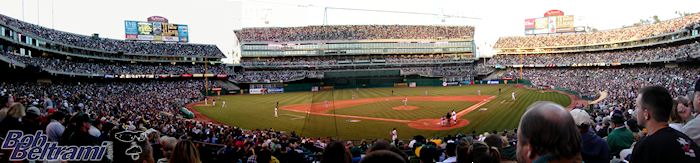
(213, 21)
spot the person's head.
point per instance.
(384, 145)
(481, 152)
(17, 110)
(463, 152)
(336, 152)
(6, 101)
(264, 155)
(582, 119)
(494, 140)
(681, 112)
(547, 128)
(382, 156)
(428, 154)
(654, 105)
(451, 149)
(617, 118)
(58, 116)
(80, 122)
(185, 151)
(167, 145)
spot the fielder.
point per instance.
(223, 104)
(512, 96)
(276, 106)
(405, 101)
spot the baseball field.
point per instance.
(367, 113)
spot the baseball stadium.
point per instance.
(264, 81)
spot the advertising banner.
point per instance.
(183, 33)
(552, 24)
(131, 27)
(255, 91)
(275, 90)
(530, 23)
(492, 82)
(155, 31)
(541, 23)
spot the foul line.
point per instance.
(474, 107)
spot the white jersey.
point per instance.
(394, 135)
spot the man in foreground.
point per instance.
(662, 143)
(547, 133)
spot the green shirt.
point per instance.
(619, 139)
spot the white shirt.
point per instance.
(692, 129)
(54, 130)
(450, 160)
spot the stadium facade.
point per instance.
(356, 63)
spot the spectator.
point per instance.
(692, 128)
(55, 128)
(662, 143)
(547, 132)
(450, 153)
(167, 145)
(12, 120)
(336, 152)
(185, 152)
(77, 132)
(681, 113)
(481, 152)
(620, 137)
(593, 148)
(463, 152)
(382, 156)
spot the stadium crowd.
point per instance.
(619, 83)
(353, 32)
(86, 113)
(330, 60)
(114, 68)
(111, 45)
(252, 76)
(636, 55)
(608, 36)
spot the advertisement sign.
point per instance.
(541, 23)
(221, 76)
(553, 13)
(183, 33)
(157, 19)
(275, 90)
(145, 28)
(552, 24)
(131, 27)
(412, 84)
(155, 31)
(565, 23)
(255, 91)
(492, 82)
(529, 23)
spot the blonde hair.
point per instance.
(17, 110)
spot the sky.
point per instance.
(213, 21)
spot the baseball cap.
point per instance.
(617, 117)
(581, 117)
(33, 110)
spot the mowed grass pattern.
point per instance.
(256, 111)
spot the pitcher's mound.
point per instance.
(407, 107)
(434, 124)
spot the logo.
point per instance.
(686, 147)
(37, 147)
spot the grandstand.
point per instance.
(392, 52)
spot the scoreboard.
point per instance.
(156, 31)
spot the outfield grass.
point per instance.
(256, 111)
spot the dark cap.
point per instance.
(617, 117)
